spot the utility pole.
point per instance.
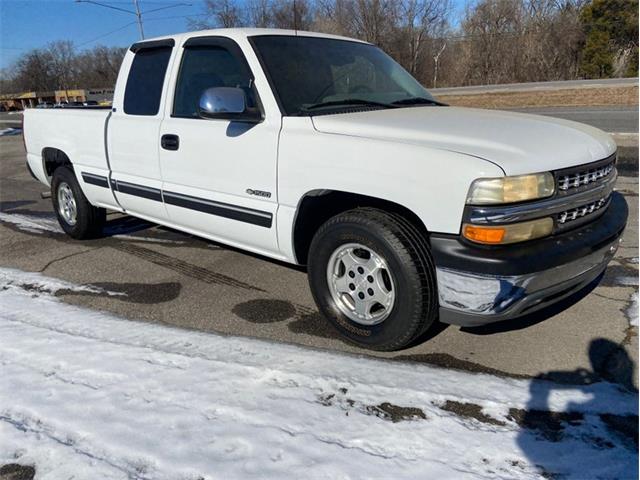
(139, 15)
(135, 12)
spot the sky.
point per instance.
(28, 24)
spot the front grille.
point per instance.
(581, 211)
(584, 177)
(580, 178)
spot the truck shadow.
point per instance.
(581, 437)
(125, 225)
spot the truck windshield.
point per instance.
(313, 75)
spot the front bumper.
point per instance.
(478, 285)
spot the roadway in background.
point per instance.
(618, 119)
(532, 86)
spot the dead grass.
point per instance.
(579, 97)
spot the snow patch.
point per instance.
(31, 223)
(5, 132)
(136, 238)
(36, 282)
(38, 224)
(90, 395)
(627, 281)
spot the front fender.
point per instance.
(432, 183)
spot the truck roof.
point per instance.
(241, 33)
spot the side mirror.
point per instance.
(227, 103)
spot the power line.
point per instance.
(106, 34)
(175, 17)
(136, 10)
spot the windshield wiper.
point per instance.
(346, 102)
(418, 101)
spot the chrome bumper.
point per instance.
(475, 289)
(468, 299)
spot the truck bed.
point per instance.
(78, 132)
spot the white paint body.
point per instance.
(423, 158)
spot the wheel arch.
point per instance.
(53, 158)
(317, 206)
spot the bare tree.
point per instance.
(492, 29)
(292, 14)
(259, 13)
(219, 14)
(524, 40)
(495, 41)
(99, 67)
(416, 22)
(63, 64)
(33, 71)
(59, 67)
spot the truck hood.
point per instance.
(518, 143)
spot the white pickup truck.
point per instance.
(322, 151)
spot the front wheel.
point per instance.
(372, 276)
(77, 217)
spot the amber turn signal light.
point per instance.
(512, 233)
(489, 235)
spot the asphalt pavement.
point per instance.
(176, 279)
(10, 120)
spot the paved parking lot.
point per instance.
(176, 279)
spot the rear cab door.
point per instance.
(220, 175)
(133, 130)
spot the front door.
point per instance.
(219, 176)
(133, 131)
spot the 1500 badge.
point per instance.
(259, 193)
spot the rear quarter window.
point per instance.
(146, 78)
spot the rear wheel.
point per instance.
(373, 278)
(77, 217)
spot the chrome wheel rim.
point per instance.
(361, 284)
(67, 204)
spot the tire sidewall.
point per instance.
(66, 175)
(401, 325)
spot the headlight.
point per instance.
(487, 191)
(503, 234)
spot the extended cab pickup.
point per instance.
(322, 151)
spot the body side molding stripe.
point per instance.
(225, 210)
(233, 212)
(139, 190)
(93, 179)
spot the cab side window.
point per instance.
(205, 67)
(146, 78)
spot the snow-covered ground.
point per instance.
(4, 132)
(49, 224)
(87, 395)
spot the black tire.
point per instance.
(407, 255)
(89, 219)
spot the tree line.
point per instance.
(491, 41)
(61, 66)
